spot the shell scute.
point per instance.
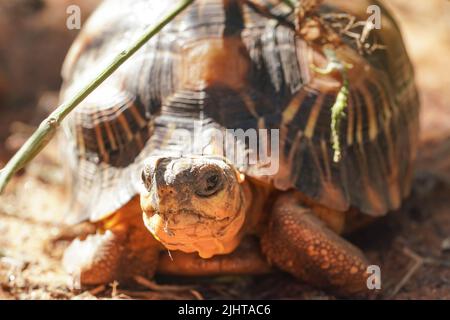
(241, 65)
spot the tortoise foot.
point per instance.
(117, 254)
(94, 260)
(56, 245)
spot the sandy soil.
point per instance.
(412, 245)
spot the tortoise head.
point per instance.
(193, 204)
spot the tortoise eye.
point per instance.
(209, 184)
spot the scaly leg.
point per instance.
(298, 242)
(119, 253)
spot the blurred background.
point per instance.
(412, 245)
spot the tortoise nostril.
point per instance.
(212, 181)
(209, 184)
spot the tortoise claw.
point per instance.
(55, 246)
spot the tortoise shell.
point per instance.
(240, 64)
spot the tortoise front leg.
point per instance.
(119, 253)
(298, 242)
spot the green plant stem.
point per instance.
(340, 105)
(290, 3)
(337, 114)
(47, 129)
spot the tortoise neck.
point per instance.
(129, 214)
(257, 198)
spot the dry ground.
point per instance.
(412, 245)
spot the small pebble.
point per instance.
(445, 246)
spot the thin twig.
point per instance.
(152, 295)
(97, 290)
(418, 262)
(290, 3)
(114, 285)
(197, 295)
(47, 129)
(160, 288)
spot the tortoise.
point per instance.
(145, 202)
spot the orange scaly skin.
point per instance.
(120, 249)
(298, 242)
(297, 239)
(123, 248)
